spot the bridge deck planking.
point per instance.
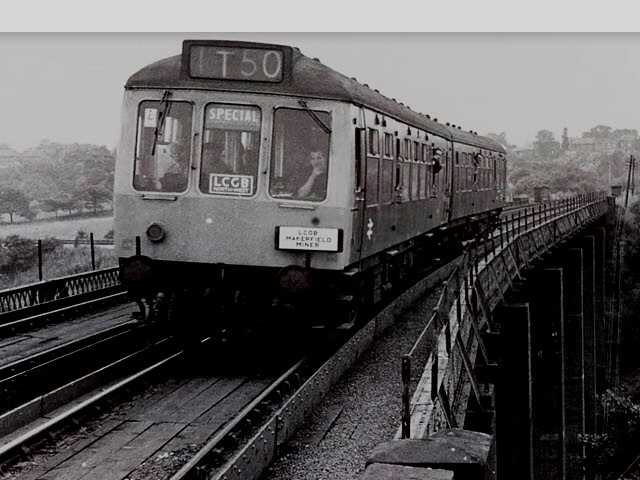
(164, 419)
(28, 343)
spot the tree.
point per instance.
(501, 138)
(599, 131)
(94, 195)
(546, 147)
(53, 171)
(14, 202)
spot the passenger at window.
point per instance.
(175, 177)
(248, 161)
(214, 159)
(316, 184)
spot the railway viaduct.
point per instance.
(506, 375)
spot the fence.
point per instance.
(451, 339)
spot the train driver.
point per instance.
(176, 175)
(315, 185)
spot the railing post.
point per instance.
(484, 248)
(93, 252)
(493, 243)
(546, 213)
(518, 227)
(40, 260)
(406, 406)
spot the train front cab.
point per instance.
(236, 226)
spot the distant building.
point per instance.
(541, 194)
(524, 151)
(583, 145)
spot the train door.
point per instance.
(358, 208)
(451, 181)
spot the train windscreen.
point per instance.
(300, 154)
(162, 146)
(230, 146)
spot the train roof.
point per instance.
(309, 78)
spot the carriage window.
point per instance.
(163, 144)
(388, 145)
(230, 146)
(373, 142)
(300, 154)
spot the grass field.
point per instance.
(62, 229)
(64, 260)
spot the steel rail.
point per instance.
(35, 375)
(11, 327)
(39, 359)
(200, 457)
(18, 444)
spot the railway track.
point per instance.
(215, 421)
(36, 408)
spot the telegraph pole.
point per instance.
(633, 175)
(632, 161)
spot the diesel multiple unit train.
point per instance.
(250, 178)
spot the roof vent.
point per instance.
(364, 84)
(435, 119)
(428, 116)
(447, 124)
(317, 59)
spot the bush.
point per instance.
(18, 254)
(609, 453)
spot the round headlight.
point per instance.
(156, 232)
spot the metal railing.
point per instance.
(475, 286)
(38, 294)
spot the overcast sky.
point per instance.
(68, 87)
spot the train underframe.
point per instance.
(227, 300)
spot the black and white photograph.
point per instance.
(319, 255)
